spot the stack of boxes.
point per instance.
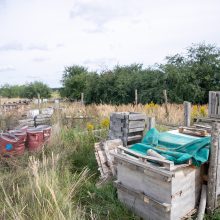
(127, 126)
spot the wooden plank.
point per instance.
(136, 124)
(193, 131)
(206, 127)
(208, 120)
(134, 138)
(135, 116)
(141, 208)
(213, 168)
(215, 116)
(146, 198)
(131, 130)
(119, 115)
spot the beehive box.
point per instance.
(153, 192)
(128, 126)
(214, 104)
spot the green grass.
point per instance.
(60, 182)
(101, 203)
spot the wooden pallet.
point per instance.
(168, 165)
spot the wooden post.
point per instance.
(214, 166)
(82, 98)
(187, 113)
(150, 123)
(136, 97)
(38, 97)
(166, 106)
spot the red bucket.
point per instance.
(22, 137)
(8, 144)
(35, 139)
(46, 130)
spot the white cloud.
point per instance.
(11, 46)
(7, 68)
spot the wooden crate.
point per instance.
(128, 126)
(214, 104)
(154, 192)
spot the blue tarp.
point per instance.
(175, 147)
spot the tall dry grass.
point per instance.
(176, 111)
(41, 186)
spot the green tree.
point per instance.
(74, 82)
(32, 89)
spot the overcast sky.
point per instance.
(38, 38)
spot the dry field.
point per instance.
(158, 111)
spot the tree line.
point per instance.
(30, 90)
(189, 76)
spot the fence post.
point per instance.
(214, 166)
(187, 113)
(150, 123)
(166, 102)
(82, 98)
(136, 97)
(38, 98)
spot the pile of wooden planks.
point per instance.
(42, 119)
(128, 126)
(103, 151)
(28, 121)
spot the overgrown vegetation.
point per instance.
(188, 76)
(61, 181)
(58, 183)
(30, 90)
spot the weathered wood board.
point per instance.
(214, 104)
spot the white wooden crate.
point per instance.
(154, 192)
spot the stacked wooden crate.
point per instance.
(43, 119)
(128, 126)
(214, 104)
(159, 190)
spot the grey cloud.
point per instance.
(38, 47)
(7, 68)
(101, 63)
(40, 59)
(60, 45)
(15, 46)
(101, 12)
(11, 46)
(31, 77)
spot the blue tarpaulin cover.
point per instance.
(175, 147)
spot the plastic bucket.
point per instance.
(35, 139)
(46, 131)
(22, 137)
(8, 144)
